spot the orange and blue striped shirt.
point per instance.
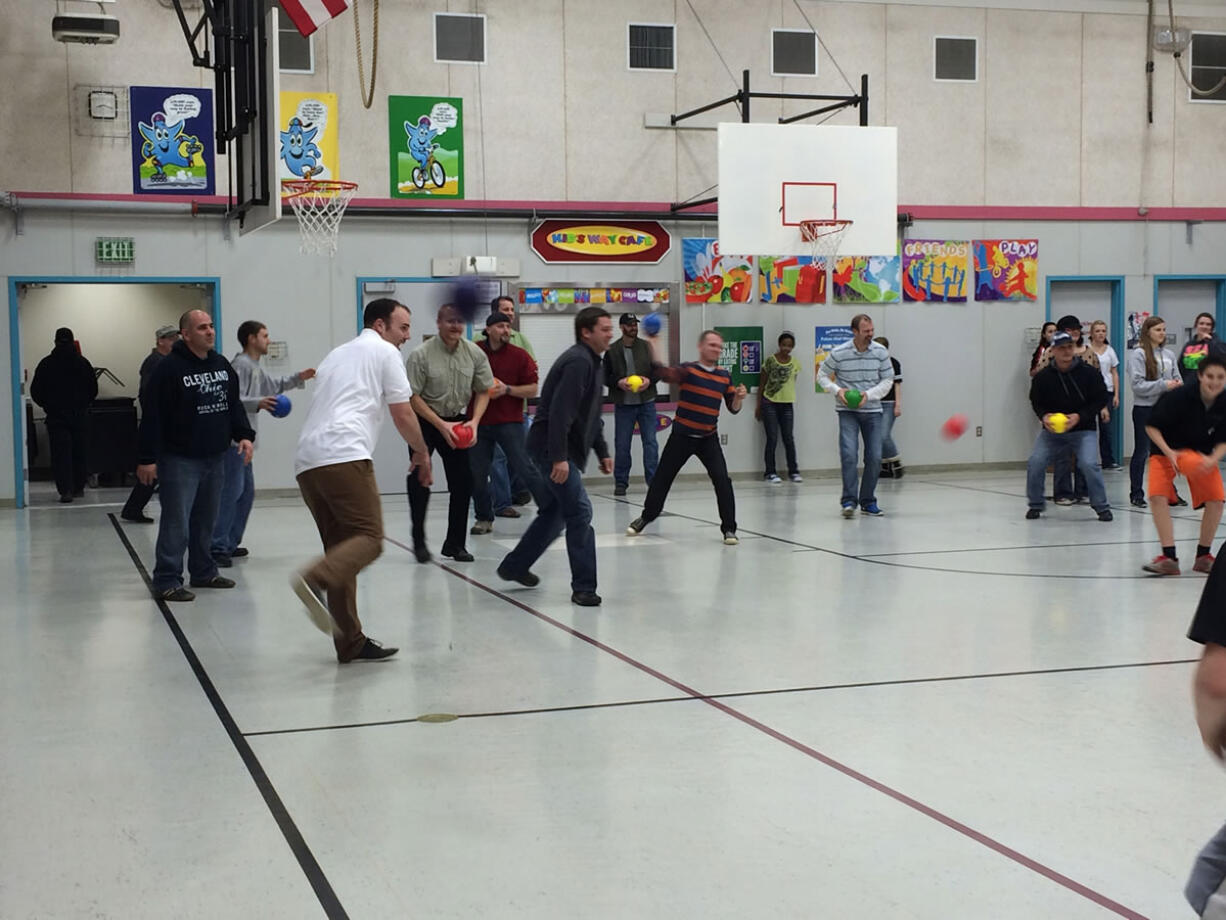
(699, 399)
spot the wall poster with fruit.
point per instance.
(711, 277)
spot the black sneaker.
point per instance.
(521, 498)
(585, 598)
(222, 560)
(217, 581)
(459, 555)
(1032, 514)
(1106, 515)
(1138, 503)
(619, 489)
(373, 651)
(420, 551)
(240, 552)
(137, 518)
(527, 579)
(636, 527)
(175, 594)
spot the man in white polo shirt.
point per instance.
(858, 372)
(336, 474)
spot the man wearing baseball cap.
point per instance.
(164, 340)
(630, 356)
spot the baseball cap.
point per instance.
(497, 317)
(628, 319)
(1061, 338)
(167, 332)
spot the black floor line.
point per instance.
(297, 844)
(732, 695)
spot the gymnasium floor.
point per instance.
(949, 712)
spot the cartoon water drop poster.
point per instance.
(711, 277)
(307, 137)
(172, 140)
(426, 141)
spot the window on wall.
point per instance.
(793, 53)
(1208, 64)
(459, 38)
(955, 59)
(297, 51)
(652, 47)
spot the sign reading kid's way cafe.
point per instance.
(580, 241)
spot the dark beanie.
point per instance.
(64, 334)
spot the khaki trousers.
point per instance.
(344, 500)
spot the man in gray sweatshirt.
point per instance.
(257, 390)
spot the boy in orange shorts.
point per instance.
(1187, 431)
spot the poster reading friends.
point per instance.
(172, 140)
(935, 270)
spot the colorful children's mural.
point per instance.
(308, 136)
(426, 138)
(791, 279)
(172, 140)
(1006, 269)
(866, 279)
(935, 270)
(714, 278)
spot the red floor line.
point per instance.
(904, 799)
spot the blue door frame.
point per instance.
(1116, 335)
(1219, 311)
(19, 446)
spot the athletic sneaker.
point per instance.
(636, 527)
(313, 599)
(772, 478)
(730, 538)
(1105, 515)
(619, 489)
(481, 527)
(849, 510)
(1162, 565)
(1065, 501)
(176, 594)
(795, 477)
(872, 509)
(1203, 563)
(1032, 514)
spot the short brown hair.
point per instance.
(858, 319)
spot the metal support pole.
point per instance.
(863, 100)
(745, 96)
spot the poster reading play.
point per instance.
(172, 140)
(935, 270)
(1006, 269)
(866, 279)
(711, 277)
(742, 354)
(426, 135)
(791, 279)
(308, 133)
(824, 340)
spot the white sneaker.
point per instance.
(312, 599)
(730, 537)
(795, 477)
(771, 477)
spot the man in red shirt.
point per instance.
(515, 379)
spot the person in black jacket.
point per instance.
(165, 338)
(566, 427)
(1067, 396)
(191, 412)
(1202, 344)
(64, 385)
(629, 356)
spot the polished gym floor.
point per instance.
(947, 712)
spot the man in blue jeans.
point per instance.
(566, 428)
(858, 372)
(191, 416)
(1067, 396)
(629, 356)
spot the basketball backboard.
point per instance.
(771, 177)
(258, 150)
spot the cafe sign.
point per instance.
(595, 241)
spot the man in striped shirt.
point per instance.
(703, 385)
(860, 369)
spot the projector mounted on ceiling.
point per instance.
(85, 28)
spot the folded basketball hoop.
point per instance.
(824, 236)
(319, 205)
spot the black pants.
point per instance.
(135, 505)
(459, 483)
(66, 434)
(677, 451)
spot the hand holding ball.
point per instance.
(853, 398)
(463, 435)
(954, 427)
(636, 383)
(282, 406)
(1058, 422)
(495, 390)
(651, 324)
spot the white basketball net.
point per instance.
(823, 237)
(319, 206)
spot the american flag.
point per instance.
(309, 15)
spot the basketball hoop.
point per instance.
(319, 205)
(823, 236)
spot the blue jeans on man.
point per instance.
(564, 506)
(1047, 446)
(852, 427)
(509, 438)
(237, 497)
(506, 486)
(189, 489)
(624, 419)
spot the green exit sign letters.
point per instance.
(112, 249)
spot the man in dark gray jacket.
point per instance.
(627, 357)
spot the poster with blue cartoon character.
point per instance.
(172, 140)
(426, 141)
(308, 147)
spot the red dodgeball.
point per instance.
(463, 435)
(954, 427)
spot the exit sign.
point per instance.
(115, 249)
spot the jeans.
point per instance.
(508, 437)
(237, 497)
(459, 484)
(1068, 478)
(1140, 452)
(565, 507)
(677, 451)
(777, 417)
(853, 425)
(1106, 432)
(189, 489)
(889, 450)
(1048, 445)
(503, 486)
(624, 418)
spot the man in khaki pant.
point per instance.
(336, 475)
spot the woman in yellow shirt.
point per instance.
(776, 402)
